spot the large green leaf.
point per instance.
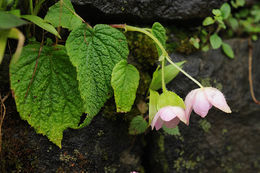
(160, 33)
(41, 23)
(125, 81)
(62, 14)
(95, 52)
(170, 72)
(46, 90)
(8, 21)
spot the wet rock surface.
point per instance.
(144, 11)
(219, 143)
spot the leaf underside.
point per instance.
(95, 52)
(160, 33)
(46, 90)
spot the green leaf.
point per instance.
(170, 72)
(41, 23)
(95, 52)
(227, 50)
(208, 21)
(62, 14)
(205, 48)
(169, 98)
(153, 99)
(225, 10)
(8, 21)
(215, 41)
(3, 40)
(46, 90)
(254, 37)
(125, 81)
(195, 42)
(137, 126)
(233, 23)
(172, 131)
(216, 12)
(160, 33)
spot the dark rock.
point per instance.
(144, 11)
(220, 142)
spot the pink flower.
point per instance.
(170, 116)
(202, 99)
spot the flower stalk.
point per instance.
(164, 53)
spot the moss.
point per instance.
(160, 143)
(207, 82)
(180, 164)
(65, 157)
(100, 133)
(142, 49)
(205, 125)
(110, 169)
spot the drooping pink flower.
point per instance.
(202, 99)
(170, 116)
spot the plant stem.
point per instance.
(31, 7)
(186, 74)
(131, 28)
(163, 80)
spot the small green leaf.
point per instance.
(238, 3)
(137, 126)
(254, 37)
(169, 98)
(227, 50)
(216, 12)
(170, 72)
(125, 81)
(41, 23)
(208, 21)
(233, 23)
(46, 90)
(215, 41)
(8, 21)
(205, 48)
(62, 14)
(95, 52)
(160, 33)
(153, 99)
(225, 10)
(195, 42)
(172, 131)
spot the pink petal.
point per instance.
(217, 99)
(189, 101)
(201, 104)
(168, 113)
(157, 121)
(173, 123)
